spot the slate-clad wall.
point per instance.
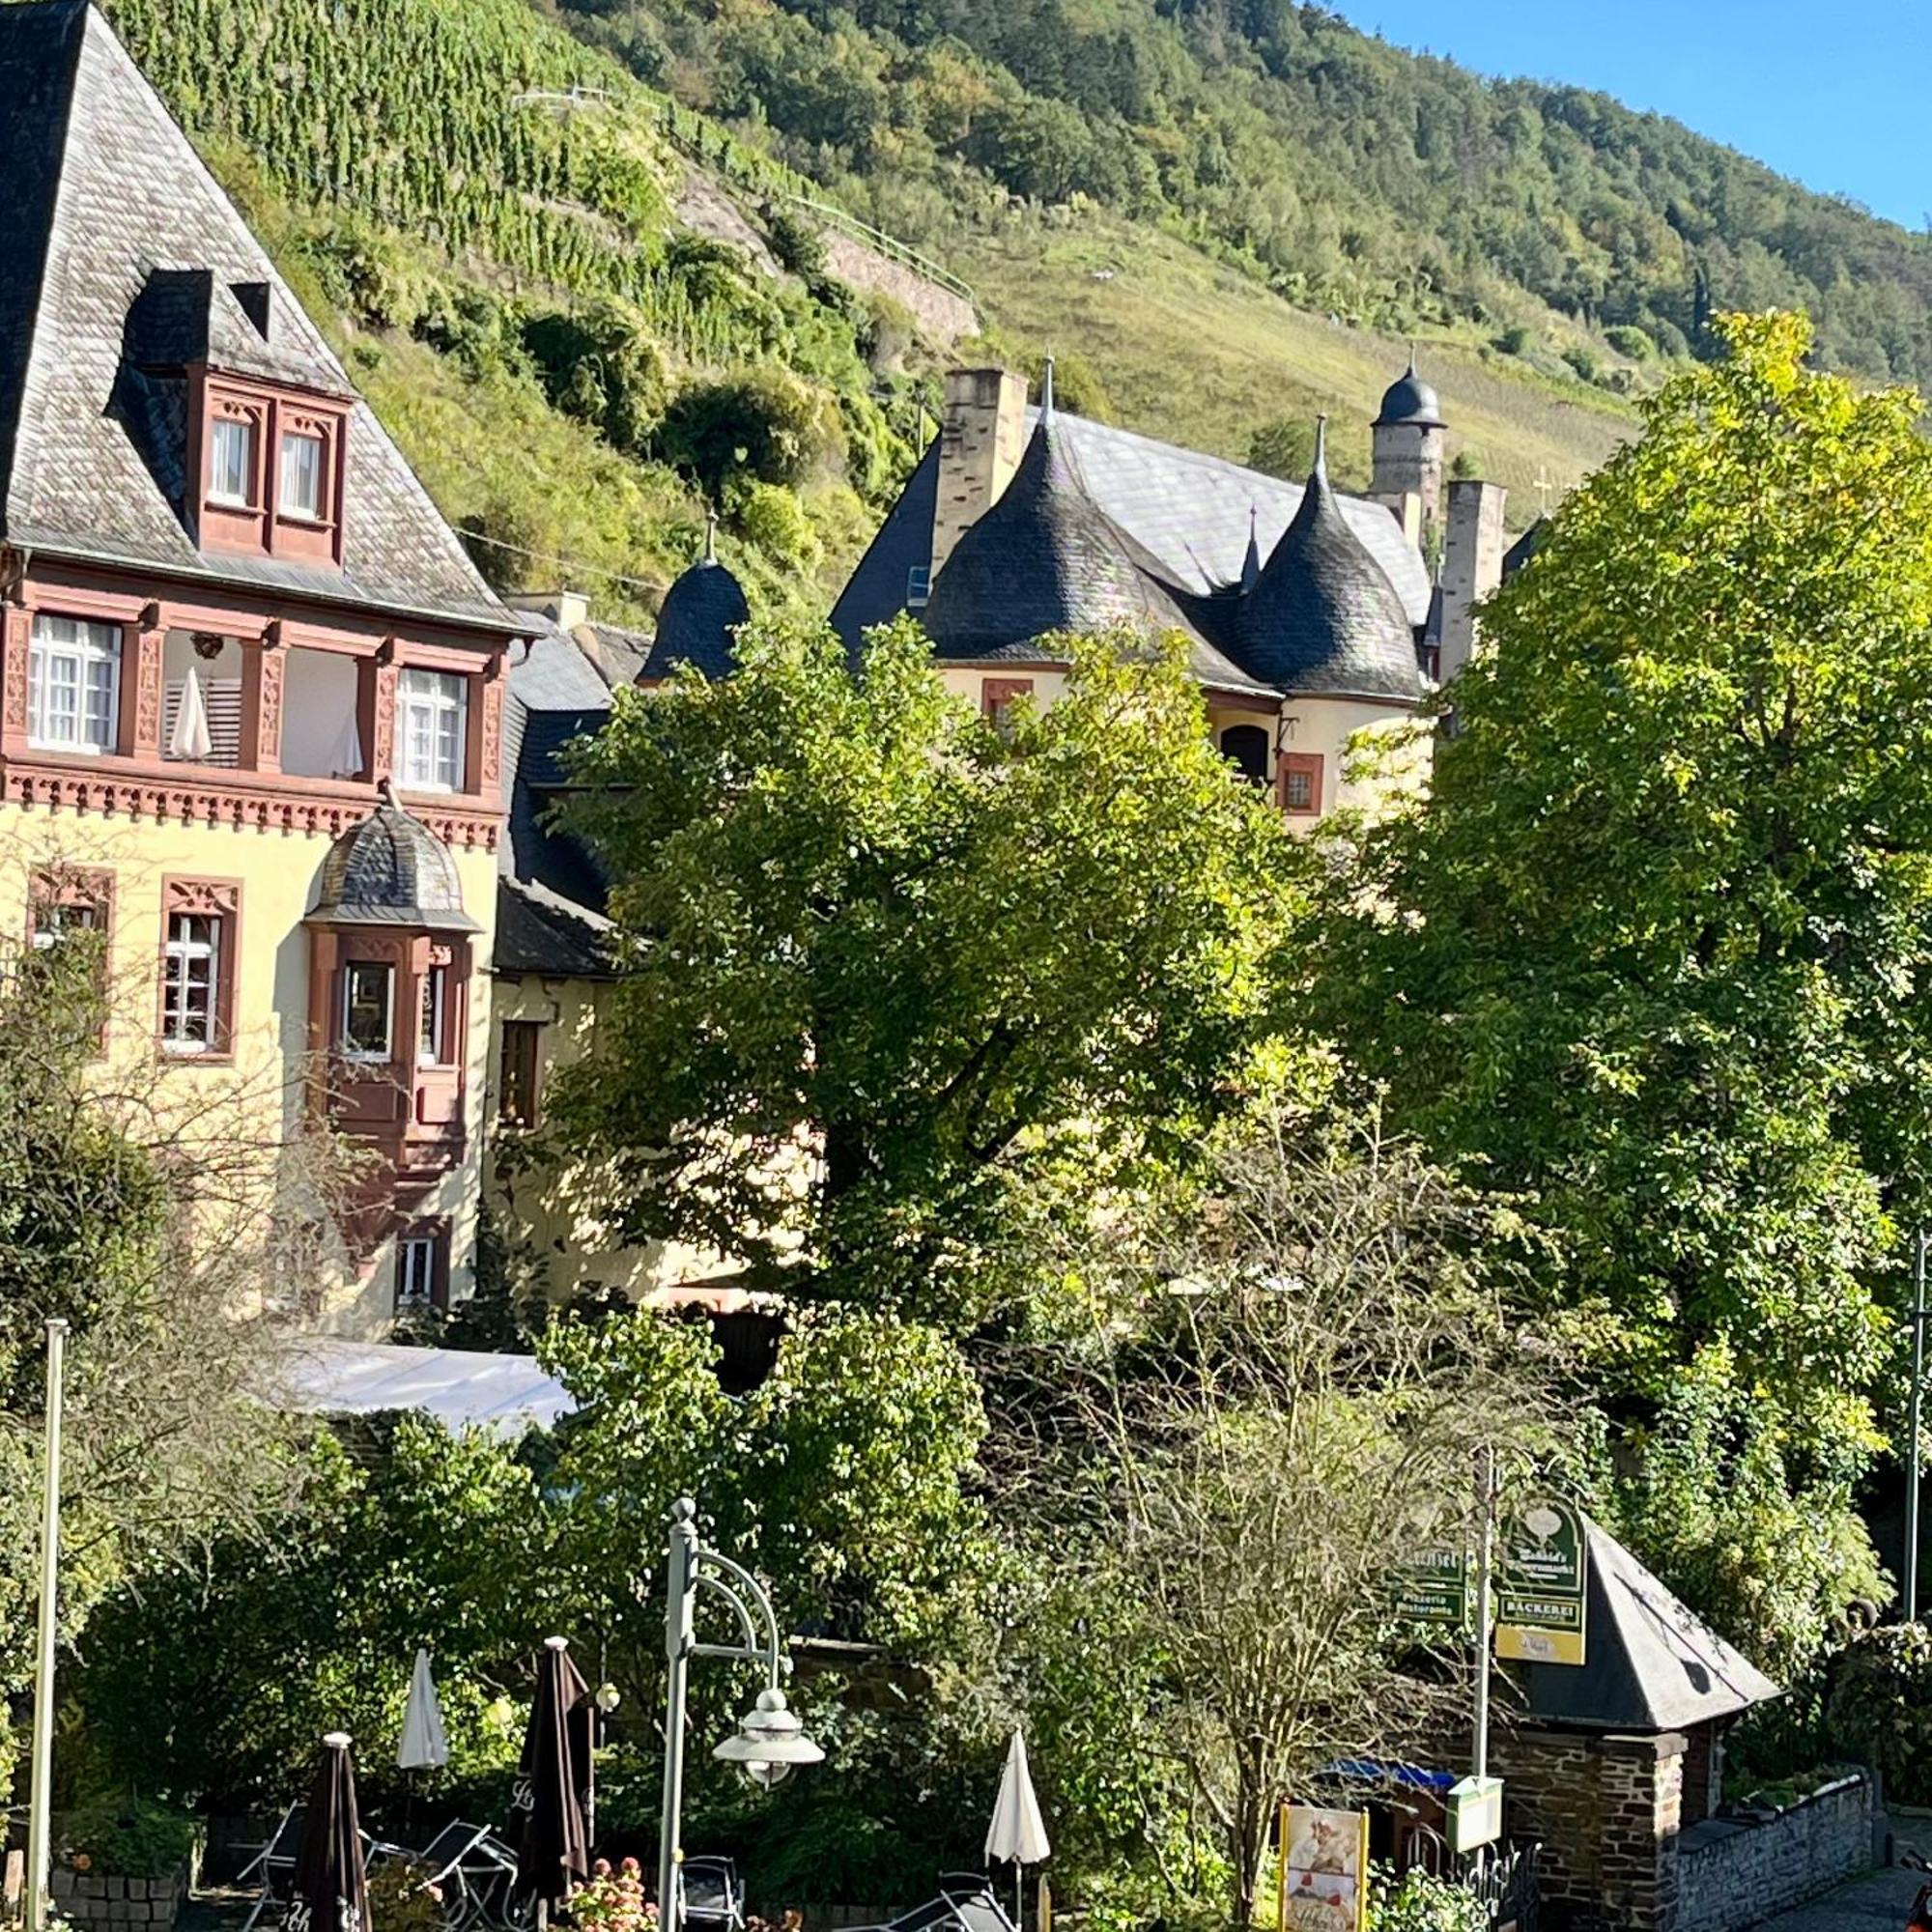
(1731, 1874)
(94, 1902)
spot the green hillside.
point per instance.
(479, 210)
(1393, 189)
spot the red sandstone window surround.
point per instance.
(422, 1265)
(1301, 783)
(997, 696)
(201, 937)
(272, 469)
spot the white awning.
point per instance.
(462, 1388)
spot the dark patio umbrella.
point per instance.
(331, 1890)
(552, 1852)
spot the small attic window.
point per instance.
(253, 297)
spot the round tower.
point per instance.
(1407, 447)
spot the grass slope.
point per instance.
(1200, 355)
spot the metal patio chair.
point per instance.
(712, 1897)
(273, 1865)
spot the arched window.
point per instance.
(1245, 747)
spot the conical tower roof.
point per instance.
(698, 620)
(1322, 617)
(1044, 559)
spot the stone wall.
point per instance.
(96, 1902)
(1733, 1872)
(1605, 1811)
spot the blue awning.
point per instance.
(1388, 1770)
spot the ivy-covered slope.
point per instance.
(479, 208)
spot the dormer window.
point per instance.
(301, 475)
(232, 462)
(273, 467)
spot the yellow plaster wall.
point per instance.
(276, 872)
(552, 1211)
(1327, 726)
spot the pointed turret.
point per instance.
(1322, 617)
(698, 620)
(1251, 560)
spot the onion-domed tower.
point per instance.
(1407, 434)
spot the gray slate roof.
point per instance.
(117, 228)
(391, 869)
(1322, 617)
(1046, 558)
(1649, 1665)
(1409, 401)
(1188, 512)
(696, 622)
(550, 896)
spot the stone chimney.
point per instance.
(1472, 566)
(980, 442)
(565, 608)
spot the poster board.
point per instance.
(1325, 1869)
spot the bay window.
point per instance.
(367, 987)
(433, 717)
(73, 684)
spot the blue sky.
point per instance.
(1835, 95)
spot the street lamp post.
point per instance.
(770, 1740)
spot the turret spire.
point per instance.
(1321, 465)
(711, 537)
(1251, 563)
(1046, 391)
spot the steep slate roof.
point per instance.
(696, 621)
(1187, 511)
(119, 238)
(549, 896)
(391, 869)
(1322, 617)
(1648, 1664)
(1046, 558)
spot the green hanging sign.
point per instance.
(1434, 1588)
(1543, 1582)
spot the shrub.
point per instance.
(129, 1838)
(1515, 339)
(1879, 1707)
(1628, 339)
(613, 1901)
(402, 1900)
(1583, 360)
(773, 517)
(762, 423)
(1418, 1902)
(794, 240)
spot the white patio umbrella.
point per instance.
(1017, 1831)
(344, 759)
(424, 1744)
(191, 738)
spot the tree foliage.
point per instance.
(1652, 954)
(901, 990)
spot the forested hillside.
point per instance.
(1396, 190)
(480, 208)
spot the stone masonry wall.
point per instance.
(1732, 1873)
(1606, 1811)
(94, 1902)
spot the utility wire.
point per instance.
(565, 563)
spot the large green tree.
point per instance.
(900, 988)
(1653, 951)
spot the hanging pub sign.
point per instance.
(1541, 1585)
(1434, 1588)
(1325, 1869)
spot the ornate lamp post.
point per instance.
(770, 1740)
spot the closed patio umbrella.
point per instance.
(423, 1746)
(331, 1890)
(552, 1848)
(191, 738)
(1017, 1831)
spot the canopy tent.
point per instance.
(461, 1388)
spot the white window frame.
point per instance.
(434, 1008)
(287, 504)
(369, 1054)
(432, 729)
(86, 648)
(180, 955)
(415, 1271)
(250, 431)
